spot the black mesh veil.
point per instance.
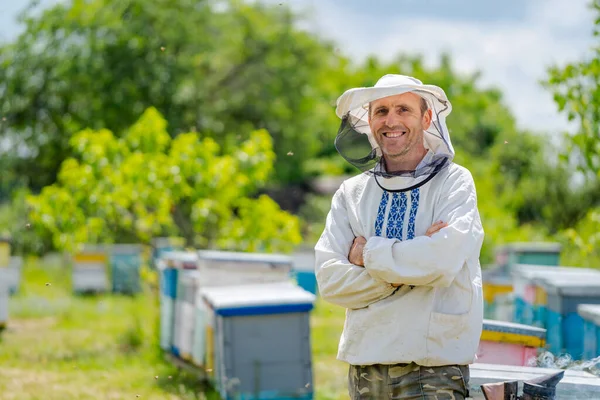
(355, 146)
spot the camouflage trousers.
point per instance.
(408, 382)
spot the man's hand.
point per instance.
(430, 231)
(356, 251)
(435, 228)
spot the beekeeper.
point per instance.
(400, 248)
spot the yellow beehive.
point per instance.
(4, 252)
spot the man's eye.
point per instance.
(381, 111)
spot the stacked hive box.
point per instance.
(230, 268)
(4, 251)
(563, 293)
(125, 263)
(171, 267)
(4, 297)
(529, 309)
(89, 270)
(499, 301)
(224, 268)
(184, 313)
(532, 253)
(508, 343)
(14, 272)
(590, 313)
(227, 309)
(304, 270)
(258, 340)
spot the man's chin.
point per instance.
(395, 155)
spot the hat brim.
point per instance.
(357, 98)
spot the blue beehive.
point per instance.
(524, 291)
(590, 313)
(304, 270)
(184, 262)
(125, 263)
(258, 341)
(564, 292)
(171, 265)
(527, 311)
(168, 293)
(532, 279)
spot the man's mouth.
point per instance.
(394, 134)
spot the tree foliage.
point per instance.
(145, 184)
(576, 90)
(249, 98)
(222, 68)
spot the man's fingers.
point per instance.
(438, 225)
(360, 240)
(435, 228)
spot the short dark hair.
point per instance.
(424, 106)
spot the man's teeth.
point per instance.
(394, 134)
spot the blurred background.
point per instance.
(123, 121)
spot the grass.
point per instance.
(62, 347)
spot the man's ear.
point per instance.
(426, 121)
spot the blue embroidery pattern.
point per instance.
(381, 213)
(414, 206)
(395, 224)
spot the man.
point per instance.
(400, 249)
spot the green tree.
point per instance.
(222, 68)
(583, 241)
(145, 184)
(576, 90)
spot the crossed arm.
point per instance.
(348, 280)
(358, 246)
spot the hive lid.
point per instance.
(571, 284)
(511, 327)
(591, 312)
(126, 248)
(530, 271)
(262, 298)
(180, 259)
(531, 247)
(242, 257)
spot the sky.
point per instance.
(511, 43)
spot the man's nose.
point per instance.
(392, 119)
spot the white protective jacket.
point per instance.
(435, 318)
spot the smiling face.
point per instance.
(397, 123)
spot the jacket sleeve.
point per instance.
(436, 260)
(341, 282)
